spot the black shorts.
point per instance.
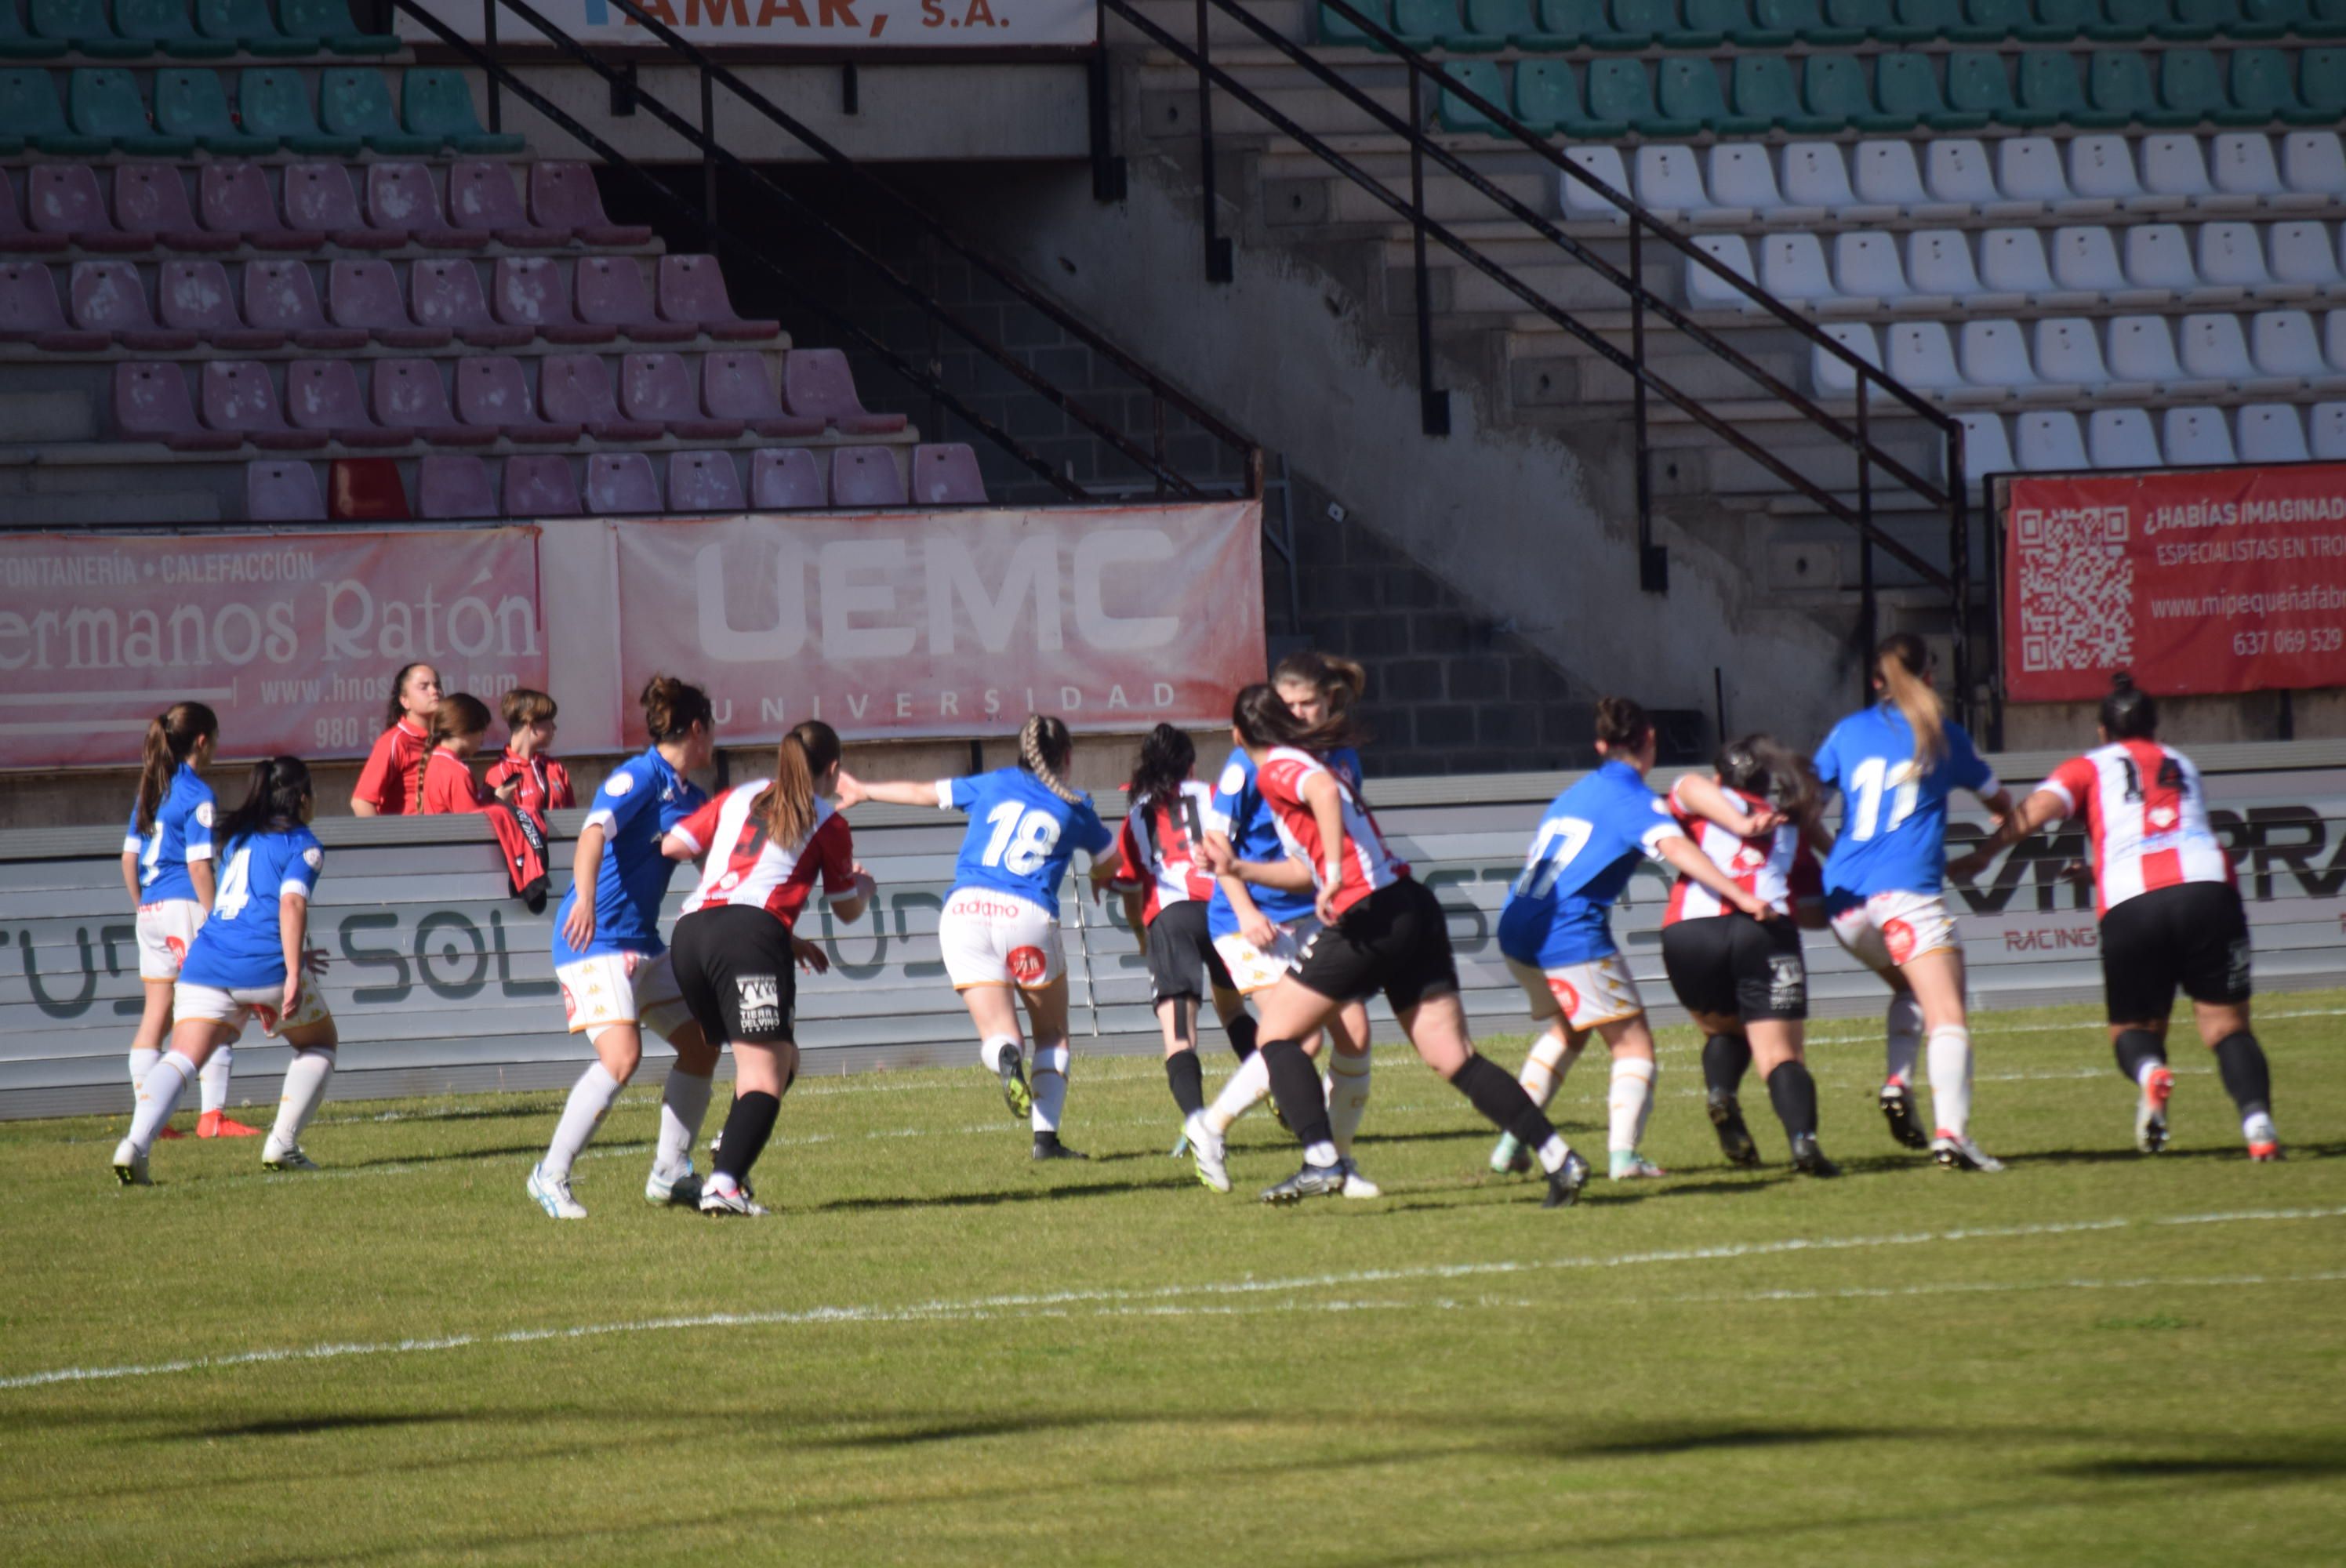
(1178, 948)
(1733, 964)
(2194, 935)
(733, 965)
(1396, 940)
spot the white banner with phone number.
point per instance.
(796, 24)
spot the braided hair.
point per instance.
(1044, 748)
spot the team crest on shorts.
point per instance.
(761, 1002)
(1565, 996)
(1027, 964)
(1788, 982)
(569, 1007)
(1899, 937)
(179, 948)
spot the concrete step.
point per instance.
(39, 415)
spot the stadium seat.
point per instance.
(453, 486)
(1690, 90)
(492, 394)
(2049, 442)
(865, 476)
(31, 115)
(2284, 345)
(165, 24)
(2117, 82)
(274, 101)
(1424, 24)
(17, 43)
(622, 484)
(1802, 19)
(1957, 174)
(946, 474)
(530, 291)
(365, 490)
(2049, 87)
(564, 195)
(704, 482)
(64, 198)
(193, 105)
(575, 389)
(1515, 22)
(1976, 83)
(612, 293)
(1992, 21)
(2313, 164)
(2191, 87)
(1940, 265)
(2213, 349)
(2029, 169)
(818, 383)
(150, 402)
(2326, 436)
(439, 103)
(1620, 90)
(1547, 93)
(31, 312)
(785, 479)
(103, 104)
(2240, 163)
(1987, 450)
(1456, 113)
(1742, 177)
(2012, 262)
(2122, 438)
(320, 196)
(739, 385)
(2232, 256)
(1669, 181)
(693, 292)
(2321, 85)
(1763, 89)
(1792, 268)
(239, 396)
(407, 394)
(355, 102)
(1886, 174)
(658, 389)
(152, 199)
(194, 296)
(402, 195)
(1816, 174)
(1830, 376)
(1908, 84)
(1705, 289)
(234, 199)
(1993, 354)
(446, 292)
(2069, 352)
(1836, 91)
(1922, 356)
(324, 394)
(1336, 32)
(2271, 433)
(248, 26)
(283, 491)
(2196, 438)
(328, 23)
(1866, 273)
(281, 297)
(2260, 91)
(540, 487)
(2083, 260)
(2307, 255)
(2176, 166)
(2140, 353)
(82, 23)
(1580, 203)
(110, 298)
(2158, 265)
(2102, 168)
(366, 294)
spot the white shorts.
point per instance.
(1253, 968)
(999, 939)
(605, 989)
(1889, 929)
(233, 1007)
(165, 929)
(1601, 991)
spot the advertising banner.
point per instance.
(796, 24)
(2207, 581)
(291, 638)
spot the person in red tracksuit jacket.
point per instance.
(392, 782)
(458, 727)
(543, 784)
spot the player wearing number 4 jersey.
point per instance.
(1895, 764)
(2170, 911)
(1000, 928)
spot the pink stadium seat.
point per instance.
(575, 389)
(946, 474)
(703, 482)
(740, 385)
(481, 196)
(151, 404)
(14, 235)
(402, 195)
(865, 476)
(365, 490)
(621, 484)
(321, 196)
(195, 297)
(31, 312)
(529, 291)
(63, 199)
(611, 292)
(324, 394)
(563, 195)
(152, 199)
(785, 479)
(233, 199)
(817, 382)
(239, 395)
(407, 396)
(283, 491)
(446, 292)
(366, 294)
(658, 388)
(109, 296)
(493, 393)
(279, 296)
(540, 487)
(692, 290)
(453, 485)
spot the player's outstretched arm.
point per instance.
(1680, 853)
(2041, 809)
(854, 792)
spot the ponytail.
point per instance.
(1900, 664)
(172, 735)
(1166, 758)
(274, 799)
(1262, 718)
(1622, 723)
(807, 752)
(671, 707)
(2128, 713)
(459, 713)
(1045, 747)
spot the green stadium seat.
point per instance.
(2302, 17)
(1731, 20)
(168, 24)
(1991, 21)
(249, 26)
(104, 101)
(439, 103)
(1620, 90)
(2221, 18)
(194, 104)
(1805, 19)
(16, 44)
(2049, 83)
(2328, 15)
(1546, 93)
(1904, 84)
(1470, 37)
(1517, 21)
(1690, 90)
(1654, 19)
(328, 22)
(1920, 21)
(1865, 18)
(1606, 30)
(1456, 113)
(1762, 88)
(2322, 84)
(1976, 83)
(2058, 21)
(1420, 24)
(273, 101)
(2262, 90)
(2179, 28)
(1678, 31)
(355, 101)
(1574, 20)
(2129, 21)
(84, 21)
(2191, 83)
(2118, 82)
(1339, 30)
(29, 111)
(1834, 88)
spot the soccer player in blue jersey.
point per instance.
(1555, 929)
(1895, 764)
(616, 977)
(1000, 928)
(248, 960)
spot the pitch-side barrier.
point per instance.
(441, 981)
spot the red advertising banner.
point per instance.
(2208, 581)
(291, 638)
(902, 625)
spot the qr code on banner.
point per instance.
(2077, 588)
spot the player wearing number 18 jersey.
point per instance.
(2171, 913)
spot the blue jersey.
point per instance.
(1237, 813)
(1021, 836)
(1893, 827)
(636, 807)
(1586, 849)
(183, 832)
(242, 945)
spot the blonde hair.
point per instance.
(1044, 747)
(1898, 664)
(806, 752)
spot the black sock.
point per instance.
(1242, 1030)
(1502, 1100)
(1188, 1080)
(2241, 1062)
(1295, 1086)
(1725, 1059)
(747, 1126)
(2135, 1047)
(1793, 1093)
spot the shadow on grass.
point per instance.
(2116, 1155)
(302, 1426)
(1174, 1182)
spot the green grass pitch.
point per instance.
(935, 1351)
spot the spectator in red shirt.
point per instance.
(392, 782)
(458, 727)
(545, 784)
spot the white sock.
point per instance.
(684, 1105)
(1905, 1026)
(1630, 1102)
(2142, 1074)
(1551, 1058)
(213, 1080)
(1554, 1153)
(142, 1062)
(1320, 1154)
(1048, 1080)
(1950, 1078)
(1248, 1086)
(990, 1050)
(305, 1087)
(590, 1101)
(1348, 1099)
(158, 1096)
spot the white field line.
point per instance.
(1137, 1299)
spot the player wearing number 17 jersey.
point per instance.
(1895, 764)
(2171, 913)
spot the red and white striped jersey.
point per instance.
(2145, 816)
(1775, 865)
(1157, 848)
(1368, 863)
(745, 867)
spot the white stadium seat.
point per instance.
(1740, 174)
(2140, 351)
(1866, 271)
(2159, 257)
(2121, 438)
(1583, 205)
(2306, 252)
(2085, 259)
(2012, 261)
(2240, 163)
(2175, 165)
(1792, 268)
(2029, 168)
(2195, 437)
(2232, 256)
(1886, 174)
(2069, 352)
(1986, 449)
(1668, 181)
(2284, 343)
(2271, 433)
(1828, 375)
(1939, 262)
(2049, 443)
(1816, 174)
(1922, 356)
(1958, 174)
(2213, 348)
(2333, 339)
(2329, 433)
(2103, 167)
(1705, 289)
(1995, 354)
(2313, 163)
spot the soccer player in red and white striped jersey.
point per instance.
(2170, 911)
